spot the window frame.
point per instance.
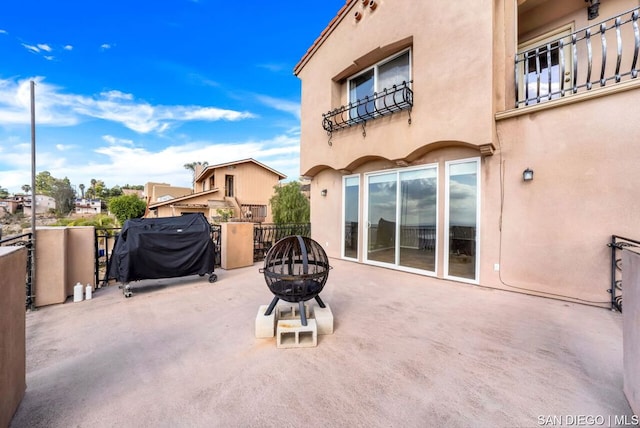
(375, 67)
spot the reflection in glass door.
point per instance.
(381, 217)
(351, 204)
(462, 219)
(418, 203)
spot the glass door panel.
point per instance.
(418, 210)
(381, 217)
(351, 214)
(462, 219)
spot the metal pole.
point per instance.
(33, 194)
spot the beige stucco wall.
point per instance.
(13, 262)
(631, 328)
(64, 256)
(545, 237)
(452, 85)
(237, 245)
(80, 257)
(51, 261)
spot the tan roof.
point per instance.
(323, 36)
(223, 165)
(182, 198)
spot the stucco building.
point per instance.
(423, 122)
(242, 188)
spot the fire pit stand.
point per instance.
(296, 269)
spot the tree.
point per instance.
(64, 195)
(82, 190)
(26, 188)
(3, 192)
(126, 207)
(289, 204)
(59, 189)
(44, 183)
(192, 167)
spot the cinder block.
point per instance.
(265, 324)
(292, 334)
(290, 311)
(324, 319)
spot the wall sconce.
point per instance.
(527, 174)
(592, 9)
(323, 192)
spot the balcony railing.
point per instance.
(383, 103)
(580, 61)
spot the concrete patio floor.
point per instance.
(407, 351)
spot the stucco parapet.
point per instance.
(570, 99)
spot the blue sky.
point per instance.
(129, 91)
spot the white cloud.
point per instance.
(44, 47)
(49, 57)
(65, 147)
(105, 46)
(116, 141)
(274, 67)
(3, 31)
(280, 104)
(56, 108)
(31, 48)
(68, 48)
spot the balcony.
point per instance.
(593, 57)
(388, 101)
(183, 353)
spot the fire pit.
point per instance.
(296, 269)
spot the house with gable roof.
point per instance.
(242, 188)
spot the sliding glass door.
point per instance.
(351, 215)
(462, 219)
(401, 218)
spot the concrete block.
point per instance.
(324, 319)
(290, 311)
(292, 334)
(265, 325)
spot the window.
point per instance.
(351, 214)
(391, 71)
(544, 68)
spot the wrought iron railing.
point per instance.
(25, 240)
(383, 103)
(579, 61)
(617, 245)
(265, 235)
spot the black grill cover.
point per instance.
(167, 247)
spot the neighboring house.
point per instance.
(243, 187)
(138, 193)
(9, 205)
(154, 192)
(44, 204)
(88, 206)
(420, 119)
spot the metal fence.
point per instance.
(267, 234)
(617, 245)
(588, 58)
(25, 240)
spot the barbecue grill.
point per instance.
(296, 269)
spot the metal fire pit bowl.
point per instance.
(296, 269)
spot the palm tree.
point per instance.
(82, 190)
(26, 188)
(192, 167)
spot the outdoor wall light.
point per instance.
(527, 174)
(592, 9)
(358, 16)
(323, 192)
